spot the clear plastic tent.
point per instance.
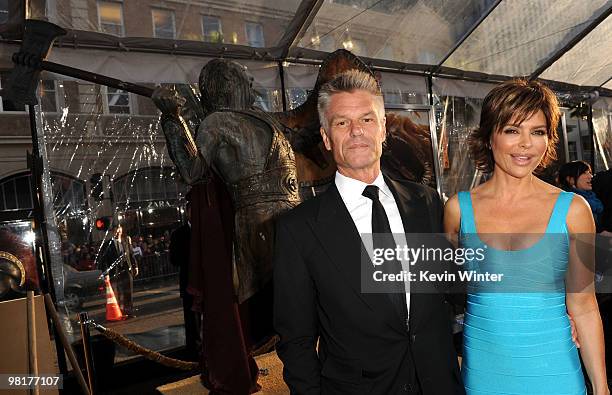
(565, 40)
(91, 134)
(588, 63)
(519, 36)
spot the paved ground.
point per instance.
(271, 383)
(158, 324)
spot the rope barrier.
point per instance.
(145, 352)
(167, 361)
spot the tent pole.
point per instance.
(281, 74)
(305, 14)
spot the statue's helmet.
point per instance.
(12, 275)
(225, 84)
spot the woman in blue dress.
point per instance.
(517, 336)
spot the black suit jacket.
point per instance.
(110, 254)
(363, 345)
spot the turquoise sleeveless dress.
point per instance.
(517, 338)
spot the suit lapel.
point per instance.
(410, 208)
(340, 239)
(416, 219)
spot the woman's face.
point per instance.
(584, 181)
(518, 149)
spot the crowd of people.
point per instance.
(83, 256)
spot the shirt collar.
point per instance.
(351, 189)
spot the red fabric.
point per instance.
(227, 367)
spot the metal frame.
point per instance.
(598, 147)
(432, 132)
(565, 143)
(304, 16)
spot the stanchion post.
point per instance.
(32, 344)
(86, 339)
(76, 369)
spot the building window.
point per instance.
(4, 11)
(110, 16)
(68, 193)
(5, 104)
(211, 29)
(163, 23)
(254, 34)
(118, 101)
(147, 185)
(88, 98)
(48, 96)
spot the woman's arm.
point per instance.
(452, 218)
(580, 293)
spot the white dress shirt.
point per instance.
(360, 209)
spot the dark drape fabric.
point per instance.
(227, 367)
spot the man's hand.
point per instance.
(136, 271)
(168, 101)
(574, 333)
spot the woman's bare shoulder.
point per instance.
(579, 216)
(452, 214)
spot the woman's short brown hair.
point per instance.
(514, 101)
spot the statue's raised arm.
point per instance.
(179, 137)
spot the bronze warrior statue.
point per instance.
(247, 149)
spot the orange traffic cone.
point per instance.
(113, 312)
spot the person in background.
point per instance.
(119, 258)
(576, 176)
(180, 248)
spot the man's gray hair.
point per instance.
(349, 81)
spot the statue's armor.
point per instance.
(247, 148)
(257, 199)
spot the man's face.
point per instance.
(355, 133)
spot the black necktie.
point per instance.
(382, 237)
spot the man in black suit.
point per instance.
(180, 252)
(119, 258)
(368, 343)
